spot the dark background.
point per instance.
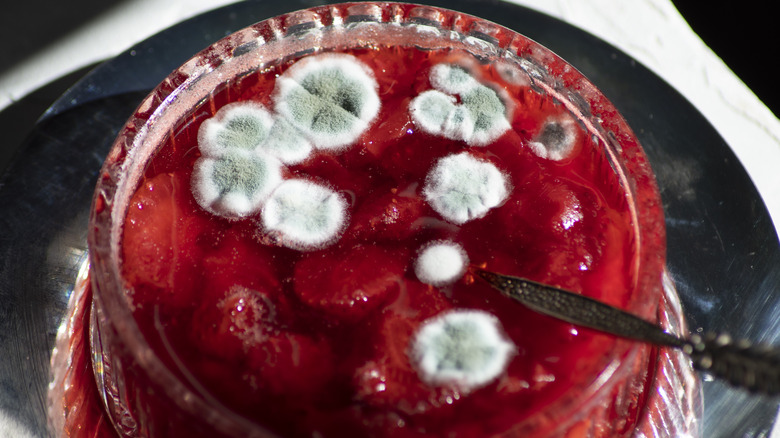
(745, 35)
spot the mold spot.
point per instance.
(304, 215)
(556, 139)
(438, 114)
(330, 98)
(452, 79)
(235, 184)
(488, 114)
(460, 187)
(286, 143)
(462, 348)
(440, 263)
(479, 118)
(243, 125)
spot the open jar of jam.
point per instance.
(282, 236)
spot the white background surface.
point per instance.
(651, 31)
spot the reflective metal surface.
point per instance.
(723, 252)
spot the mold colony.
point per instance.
(298, 250)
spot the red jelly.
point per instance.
(292, 254)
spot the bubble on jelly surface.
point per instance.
(330, 98)
(461, 188)
(241, 125)
(452, 79)
(437, 113)
(235, 184)
(555, 140)
(286, 143)
(440, 263)
(463, 348)
(304, 215)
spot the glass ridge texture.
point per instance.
(144, 398)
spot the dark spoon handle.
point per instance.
(756, 368)
(741, 363)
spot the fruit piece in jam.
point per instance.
(301, 255)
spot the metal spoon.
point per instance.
(753, 367)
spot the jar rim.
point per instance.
(338, 27)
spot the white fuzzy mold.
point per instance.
(304, 215)
(439, 114)
(440, 263)
(331, 98)
(463, 348)
(240, 125)
(556, 139)
(249, 126)
(287, 143)
(452, 79)
(461, 187)
(460, 107)
(235, 184)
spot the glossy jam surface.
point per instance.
(318, 340)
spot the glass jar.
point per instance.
(148, 389)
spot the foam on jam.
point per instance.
(298, 249)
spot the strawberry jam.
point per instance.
(298, 251)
